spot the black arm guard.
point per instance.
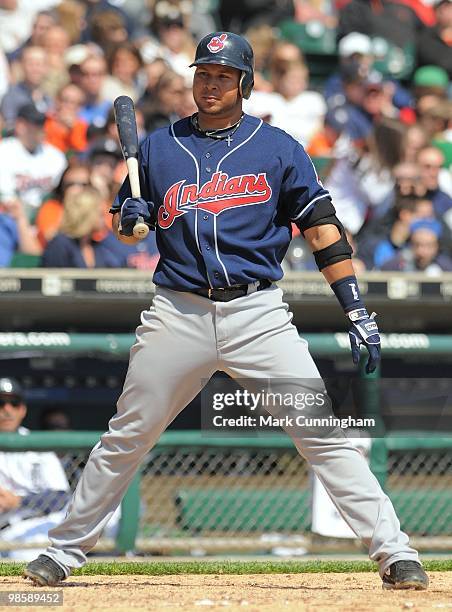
(333, 253)
(324, 213)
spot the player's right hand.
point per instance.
(131, 209)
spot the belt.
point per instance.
(226, 294)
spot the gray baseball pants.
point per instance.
(182, 340)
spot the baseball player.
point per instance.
(221, 189)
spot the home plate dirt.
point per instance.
(360, 592)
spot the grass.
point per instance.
(160, 568)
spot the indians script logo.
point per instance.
(219, 194)
(217, 43)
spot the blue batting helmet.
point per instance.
(228, 49)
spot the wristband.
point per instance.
(347, 292)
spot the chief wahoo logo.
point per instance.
(217, 43)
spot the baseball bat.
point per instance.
(128, 138)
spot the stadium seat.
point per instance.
(318, 45)
(21, 260)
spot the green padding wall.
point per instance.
(424, 512)
(243, 510)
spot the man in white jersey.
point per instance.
(29, 167)
(34, 490)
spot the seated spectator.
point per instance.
(360, 179)
(29, 167)
(163, 108)
(48, 220)
(16, 233)
(106, 24)
(175, 40)
(335, 122)
(295, 109)
(56, 44)
(83, 240)
(284, 55)
(107, 27)
(34, 490)
(430, 80)
(263, 41)
(153, 70)
(422, 254)
(354, 49)
(434, 45)
(414, 140)
(430, 161)
(93, 72)
(16, 21)
(124, 64)
(71, 16)
(29, 90)
(63, 128)
(54, 419)
(406, 211)
(42, 23)
(107, 165)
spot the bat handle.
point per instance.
(140, 230)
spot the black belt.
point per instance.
(226, 294)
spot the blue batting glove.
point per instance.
(131, 209)
(364, 332)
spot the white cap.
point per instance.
(355, 42)
(76, 55)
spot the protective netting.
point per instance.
(189, 493)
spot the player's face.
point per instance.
(12, 412)
(216, 90)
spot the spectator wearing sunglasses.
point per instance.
(74, 178)
(34, 490)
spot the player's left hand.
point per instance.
(131, 209)
(363, 331)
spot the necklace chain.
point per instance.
(217, 133)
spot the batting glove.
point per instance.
(364, 332)
(131, 209)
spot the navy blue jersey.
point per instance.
(223, 210)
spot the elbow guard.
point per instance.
(333, 253)
(324, 213)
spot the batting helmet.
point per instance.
(228, 49)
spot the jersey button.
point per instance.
(207, 154)
(207, 247)
(208, 169)
(217, 275)
(206, 217)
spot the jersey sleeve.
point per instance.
(143, 168)
(52, 475)
(301, 187)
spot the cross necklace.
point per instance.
(220, 134)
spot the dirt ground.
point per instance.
(252, 593)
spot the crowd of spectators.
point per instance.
(381, 140)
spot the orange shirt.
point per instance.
(64, 138)
(48, 220)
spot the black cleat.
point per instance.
(405, 575)
(44, 571)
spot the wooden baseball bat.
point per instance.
(128, 138)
